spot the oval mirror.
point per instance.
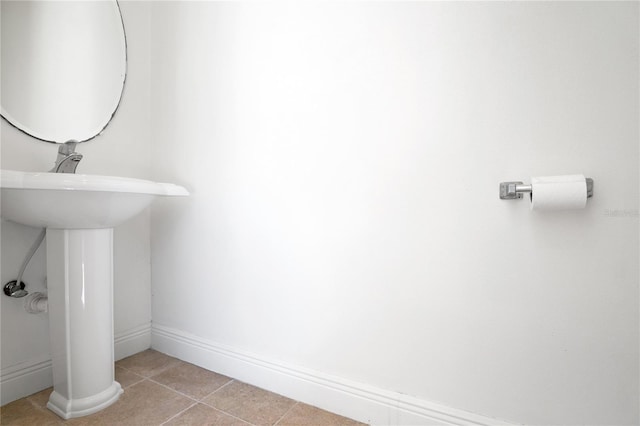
(63, 67)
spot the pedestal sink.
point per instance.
(79, 212)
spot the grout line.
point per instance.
(286, 412)
(129, 370)
(173, 390)
(142, 379)
(208, 404)
(115, 365)
(178, 413)
(220, 410)
(216, 390)
(130, 384)
(229, 414)
(170, 364)
(196, 402)
(136, 383)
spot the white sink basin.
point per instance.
(74, 201)
(79, 212)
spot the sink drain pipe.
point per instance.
(36, 303)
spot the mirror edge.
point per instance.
(124, 83)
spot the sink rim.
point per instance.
(13, 179)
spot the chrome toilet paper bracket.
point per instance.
(514, 190)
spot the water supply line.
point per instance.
(36, 302)
(16, 288)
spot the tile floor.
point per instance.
(161, 390)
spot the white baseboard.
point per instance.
(342, 396)
(26, 378)
(132, 341)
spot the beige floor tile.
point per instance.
(303, 414)
(250, 403)
(41, 398)
(146, 403)
(142, 404)
(203, 415)
(25, 413)
(148, 363)
(126, 378)
(191, 380)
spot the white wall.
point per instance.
(344, 160)
(122, 150)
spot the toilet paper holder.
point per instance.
(514, 190)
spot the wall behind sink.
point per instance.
(344, 161)
(122, 150)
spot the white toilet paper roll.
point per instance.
(558, 192)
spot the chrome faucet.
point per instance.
(68, 159)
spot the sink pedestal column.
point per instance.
(80, 283)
